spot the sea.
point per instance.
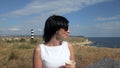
(111, 42)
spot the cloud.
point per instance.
(112, 26)
(3, 20)
(78, 29)
(104, 29)
(10, 29)
(14, 29)
(52, 7)
(108, 18)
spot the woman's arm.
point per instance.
(72, 57)
(37, 62)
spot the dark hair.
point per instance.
(53, 24)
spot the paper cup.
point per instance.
(70, 62)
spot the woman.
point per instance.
(54, 52)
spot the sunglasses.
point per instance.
(66, 29)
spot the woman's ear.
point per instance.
(57, 32)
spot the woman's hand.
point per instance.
(69, 66)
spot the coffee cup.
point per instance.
(70, 62)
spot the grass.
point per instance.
(89, 55)
(18, 54)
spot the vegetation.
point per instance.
(18, 53)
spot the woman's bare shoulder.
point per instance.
(69, 44)
(37, 48)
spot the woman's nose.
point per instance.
(68, 30)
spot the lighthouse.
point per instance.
(32, 34)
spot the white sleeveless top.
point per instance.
(54, 57)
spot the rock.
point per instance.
(105, 63)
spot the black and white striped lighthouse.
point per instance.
(32, 34)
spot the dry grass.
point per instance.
(89, 55)
(18, 54)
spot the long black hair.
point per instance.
(53, 24)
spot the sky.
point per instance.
(89, 18)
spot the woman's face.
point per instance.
(62, 33)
